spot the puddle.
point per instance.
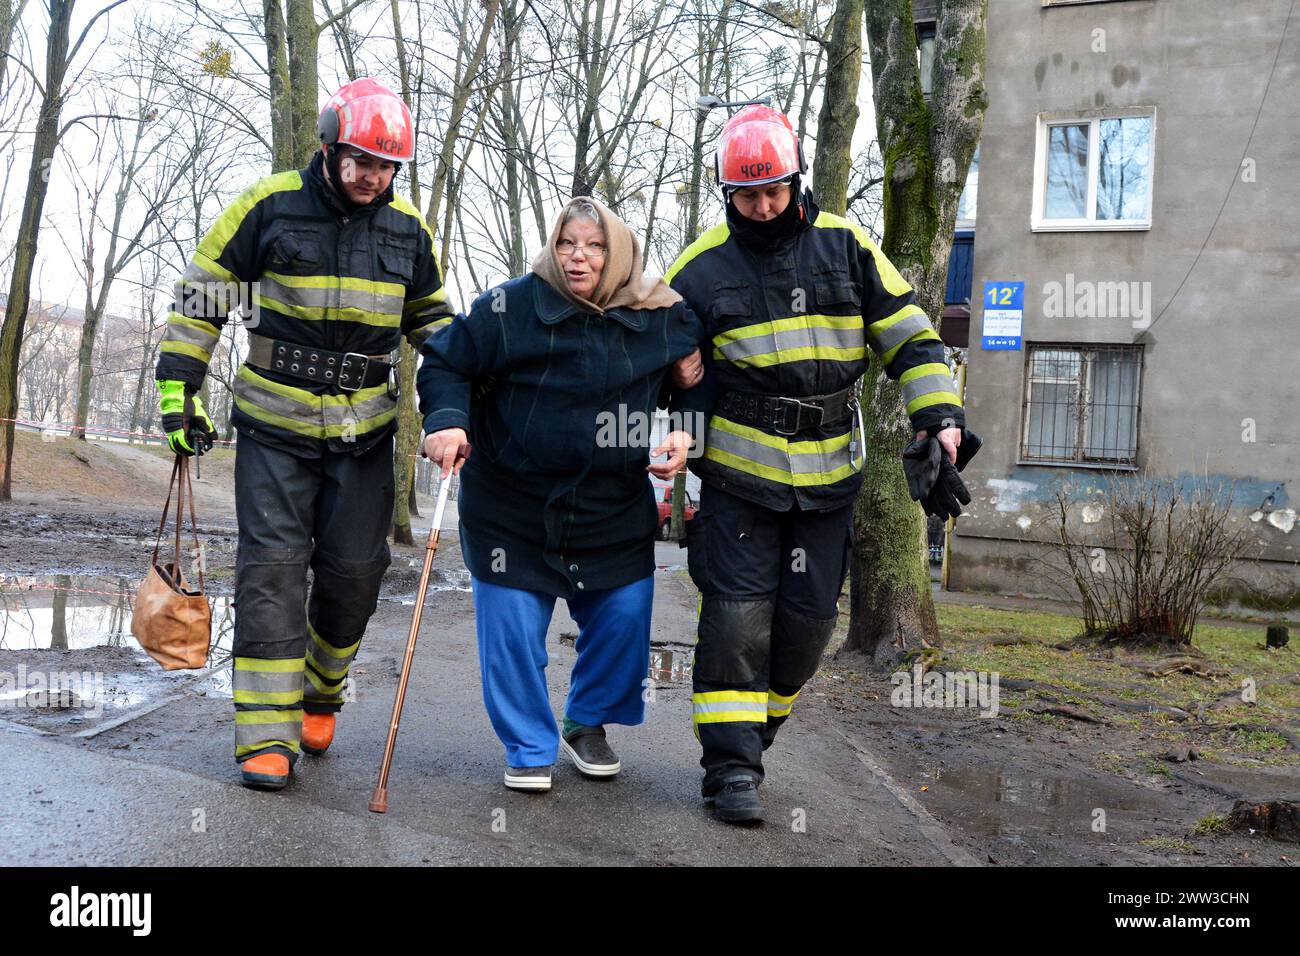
(440, 579)
(100, 673)
(671, 666)
(1009, 804)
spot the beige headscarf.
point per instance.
(622, 283)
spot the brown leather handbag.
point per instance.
(171, 621)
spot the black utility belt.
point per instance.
(787, 416)
(350, 371)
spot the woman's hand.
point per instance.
(448, 448)
(677, 444)
(688, 370)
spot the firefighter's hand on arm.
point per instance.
(184, 419)
(448, 449)
(688, 370)
(932, 465)
(677, 444)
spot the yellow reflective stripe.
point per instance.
(332, 689)
(286, 665)
(415, 305)
(185, 348)
(921, 336)
(801, 480)
(244, 749)
(246, 717)
(227, 224)
(849, 322)
(309, 313)
(267, 696)
(214, 269)
(933, 398)
(725, 696)
(730, 717)
(778, 705)
(315, 431)
(350, 283)
(330, 649)
(929, 368)
(821, 353)
(306, 397)
(823, 446)
(890, 277)
(880, 325)
(713, 237)
(175, 318)
(402, 204)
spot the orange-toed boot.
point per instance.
(317, 733)
(265, 771)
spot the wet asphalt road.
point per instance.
(162, 789)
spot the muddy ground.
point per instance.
(886, 784)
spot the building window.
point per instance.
(1094, 172)
(969, 194)
(1082, 404)
(925, 55)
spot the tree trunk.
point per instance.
(927, 150)
(43, 146)
(277, 57)
(839, 112)
(302, 34)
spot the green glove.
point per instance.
(186, 422)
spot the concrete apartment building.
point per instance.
(1136, 259)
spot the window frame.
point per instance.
(1084, 415)
(1091, 118)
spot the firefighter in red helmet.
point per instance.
(333, 269)
(792, 298)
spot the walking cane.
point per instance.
(379, 799)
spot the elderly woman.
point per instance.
(554, 377)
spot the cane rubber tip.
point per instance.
(379, 800)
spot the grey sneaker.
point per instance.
(737, 802)
(528, 778)
(591, 752)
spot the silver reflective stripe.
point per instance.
(366, 408)
(277, 403)
(273, 682)
(247, 735)
(788, 340)
(927, 384)
(748, 449)
(178, 331)
(721, 706)
(313, 298)
(899, 332)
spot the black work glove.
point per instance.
(933, 480)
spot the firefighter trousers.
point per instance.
(292, 650)
(769, 583)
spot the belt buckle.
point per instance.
(361, 378)
(779, 423)
(779, 420)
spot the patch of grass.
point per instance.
(1158, 769)
(1212, 824)
(1168, 845)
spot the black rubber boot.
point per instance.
(737, 802)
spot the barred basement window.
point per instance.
(1082, 404)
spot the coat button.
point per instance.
(581, 586)
(573, 568)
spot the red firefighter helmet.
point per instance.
(758, 145)
(368, 115)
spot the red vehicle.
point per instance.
(666, 512)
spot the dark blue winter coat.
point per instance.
(544, 505)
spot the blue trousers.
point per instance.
(608, 678)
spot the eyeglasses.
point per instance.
(593, 250)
